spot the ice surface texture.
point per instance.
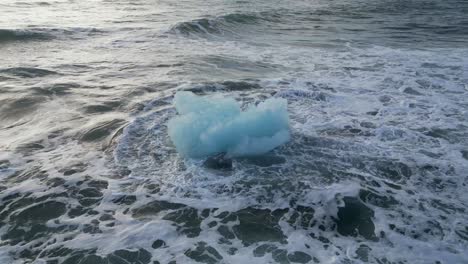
(216, 124)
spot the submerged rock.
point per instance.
(218, 162)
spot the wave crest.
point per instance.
(220, 25)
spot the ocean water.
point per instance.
(375, 171)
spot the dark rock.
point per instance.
(218, 162)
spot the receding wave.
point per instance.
(43, 34)
(220, 25)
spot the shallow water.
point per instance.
(375, 170)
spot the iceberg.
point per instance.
(210, 125)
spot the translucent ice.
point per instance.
(215, 124)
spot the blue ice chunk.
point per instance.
(215, 124)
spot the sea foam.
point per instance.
(215, 124)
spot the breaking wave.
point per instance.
(220, 25)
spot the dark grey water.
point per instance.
(376, 170)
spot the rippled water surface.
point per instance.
(375, 172)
